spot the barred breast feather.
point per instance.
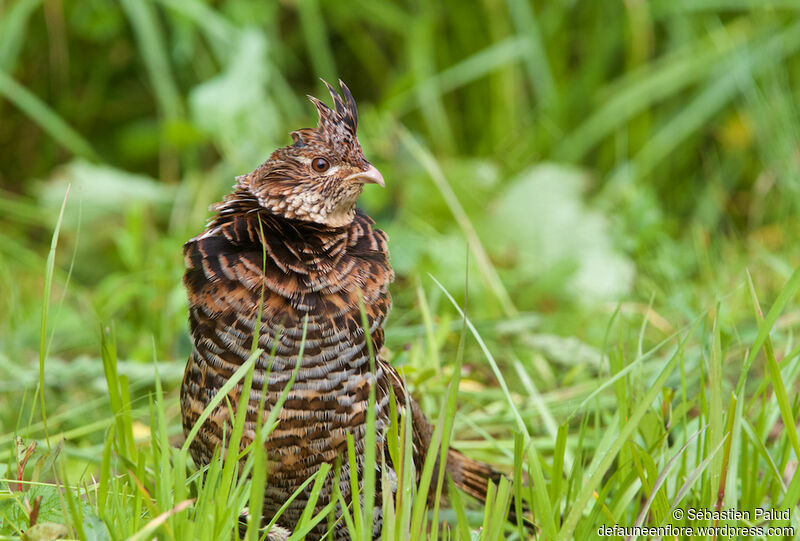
(304, 269)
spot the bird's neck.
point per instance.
(244, 222)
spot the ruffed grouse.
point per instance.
(297, 212)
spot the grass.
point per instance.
(625, 195)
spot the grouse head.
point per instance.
(319, 177)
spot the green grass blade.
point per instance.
(694, 475)
(601, 463)
(540, 74)
(492, 363)
(772, 365)
(662, 477)
(13, 28)
(489, 273)
(316, 37)
(48, 285)
(150, 40)
(542, 506)
(45, 117)
(458, 506)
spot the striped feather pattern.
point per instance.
(305, 269)
(288, 243)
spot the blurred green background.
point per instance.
(589, 155)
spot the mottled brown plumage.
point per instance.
(290, 228)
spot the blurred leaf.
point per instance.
(45, 531)
(541, 221)
(234, 107)
(102, 190)
(407, 248)
(139, 140)
(95, 529)
(49, 510)
(45, 117)
(181, 134)
(568, 351)
(316, 35)
(46, 461)
(97, 20)
(146, 27)
(13, 27)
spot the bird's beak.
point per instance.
(370, 176)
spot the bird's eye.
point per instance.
(320, 165)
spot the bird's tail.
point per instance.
(473, 478)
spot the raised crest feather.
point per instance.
(344, 112)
